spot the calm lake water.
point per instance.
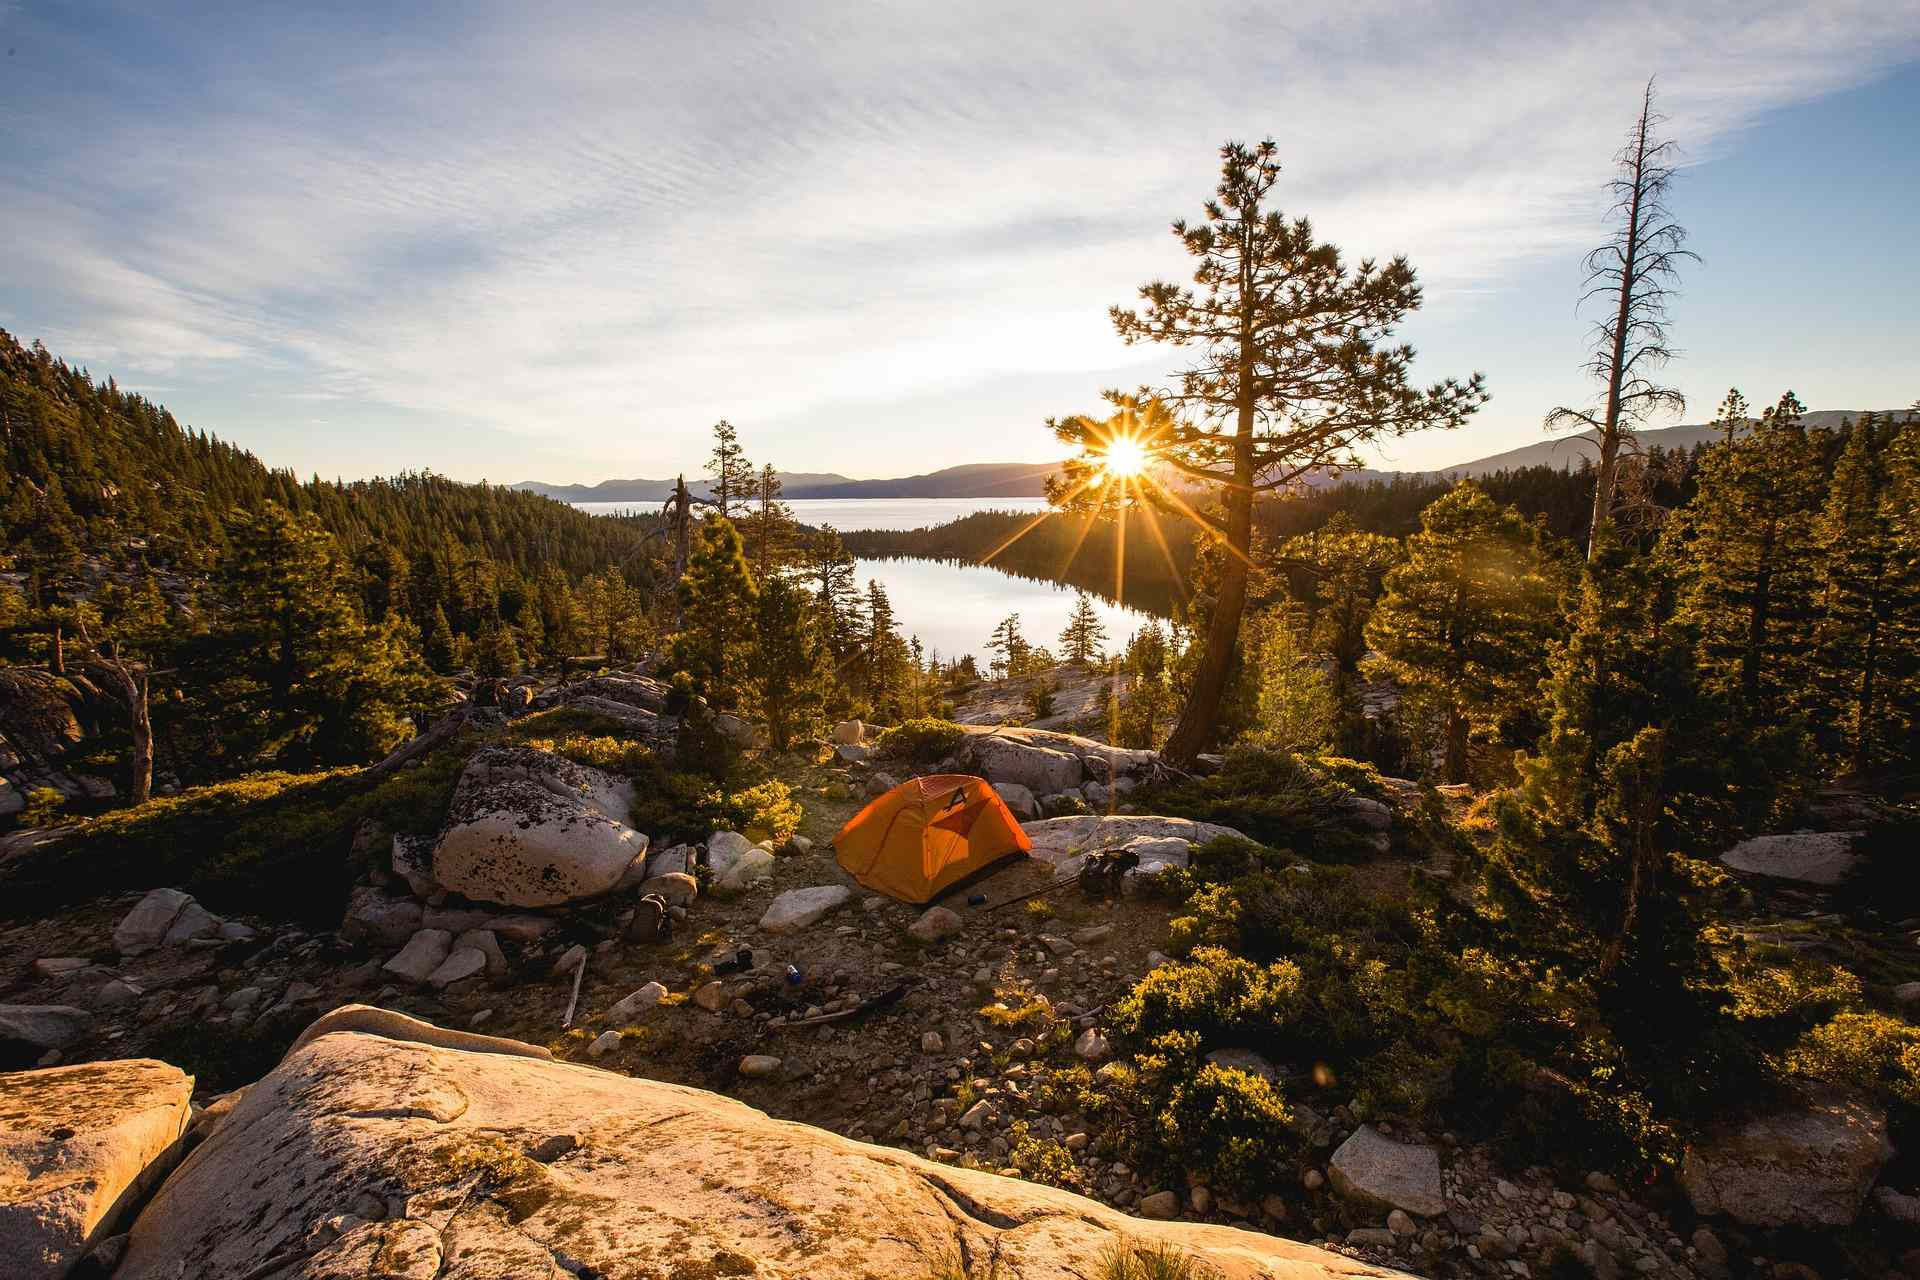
(953, 608)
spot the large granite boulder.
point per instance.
(486, 1165)
(44, 1026)
(532, 829)
(1041, 770)
(1810, 857)
(1811, 1166)
(1372, 1169)
(79, 1146)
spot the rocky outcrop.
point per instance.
(404, 1159)
(1807, 1167)
(1060, 841)
(531, 829)
(1810, 857)
(78, 1147)
(1374, 1170)
(47, 723)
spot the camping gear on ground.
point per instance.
(651, 923)
(927, 835)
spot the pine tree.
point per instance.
(613, 613)
(1340, 571)
(770, 526)
(1081, 641)
(292, 673)
(732, 474)
(790, 664)
(1745, 555)
(1296, 709)
(437, 645)
(1464, 622)
(831, 571)
(1866, 588)
(885, 656)
(717, 595)
(1294, 372)
(1009, 647)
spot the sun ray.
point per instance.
(1205, 524)
(1166, 551)
(1034, 523)
(1073, 552)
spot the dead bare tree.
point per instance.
(1635, 272)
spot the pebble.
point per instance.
(758, 1066)
(932, 1042)
(604, 1043)
(713, 997)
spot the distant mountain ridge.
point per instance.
(1028, 479)
(1567, 452)
(974, 480)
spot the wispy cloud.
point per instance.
(597, 230)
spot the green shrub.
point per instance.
(1281, 800)
(922, 742)
(1227, 1125)
(1867, 1050)
(1042, 1159)
(42, 808)
(672, 805)
(1219, 996)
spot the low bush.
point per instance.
(274, 844)
(922, 742)
(1282, 800)
(1867, 1050)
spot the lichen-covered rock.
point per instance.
(466, 1142)
(78, 1146)
(1374, 1170)
(532, 829)
(1811, 1166)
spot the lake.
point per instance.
(953, 608)
(846, 514)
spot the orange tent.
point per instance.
(928, 834)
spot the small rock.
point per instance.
(44, 1026)
(465, 962)
(1400, 1223)
(636, 1004)
(423, 954)
(1201, 1198)
(1313, 1180)
(712, 997)
(1163, 1205)
(931, 1042)
(1091, 1045)
(1092, 933)
(936, 923)
(57, 966)
(758, 1066)
(570, 959)
(604, 1043)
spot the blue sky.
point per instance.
(556, 242)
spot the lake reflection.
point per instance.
(954, 608)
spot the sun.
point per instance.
(1124, 458)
